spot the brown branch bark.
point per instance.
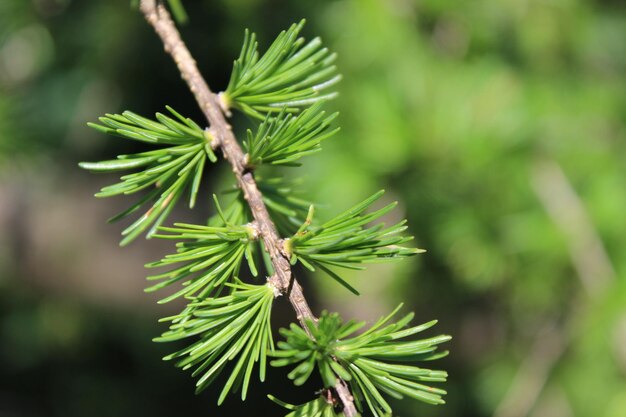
(159, 18)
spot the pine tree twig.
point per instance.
(159, 18)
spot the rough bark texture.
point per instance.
(221, 131)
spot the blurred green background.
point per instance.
(500, 126)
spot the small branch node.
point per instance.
(245, 162)
(285, 247)
(212, 137)
(253, 230)
(274, 283)
(224, 102)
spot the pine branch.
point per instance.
(159, 18)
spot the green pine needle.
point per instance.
(211, 259)
(234, 328)
(347, 242)
(180, 15)
(318, 407)
(284, 139)
(291, 74)
(234, 211)
(165, 173)
(371, 362)
(282, 198)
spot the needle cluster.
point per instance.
(372, 362)
(167, 172)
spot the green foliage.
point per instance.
(282, 198)
(452, 105)
(167, 172)
(346, 242)
(235, 211)
(369, 362)
(178, 10)
(234, 327)
(284, 139)
(320, 407)
(209, 260)
(289, 75)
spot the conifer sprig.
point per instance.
(347, 242)
(165, 173)
(234, 327)
(291, 74)
(371, 362)
(284, 139)
(227, 321)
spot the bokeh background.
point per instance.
(499, 126)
